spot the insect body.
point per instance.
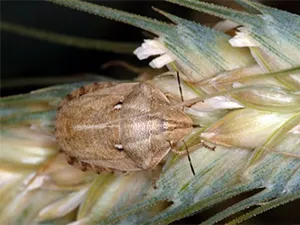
(124, 127)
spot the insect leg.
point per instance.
(71, 160)
(155, 174)
(170, 96)
(207, 146)
(83, 166)
(201, 144)
(126, 173)
(174, 150)
(177, 152)
(153, 181)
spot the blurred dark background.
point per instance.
(23, 57)
(26, 58)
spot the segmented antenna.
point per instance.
(179, 85)
(189, 158)
(187, 151)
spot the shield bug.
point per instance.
(119, 126)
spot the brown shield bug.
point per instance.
(119, 126)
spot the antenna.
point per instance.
(179, 85)
(186, 148)
(189, 158)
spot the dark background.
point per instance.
(23, 57)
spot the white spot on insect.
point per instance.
(119, 146)
(118, 106)
(165, 125)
